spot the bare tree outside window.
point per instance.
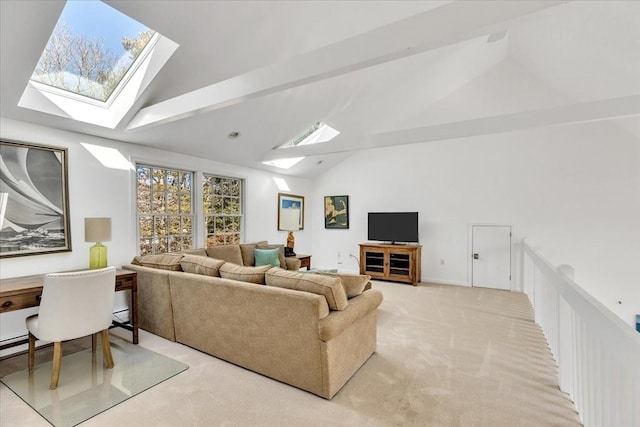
(164, 209)
(84, 65)
(222, 205)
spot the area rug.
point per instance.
(86, 388)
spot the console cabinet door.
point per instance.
(391, 262)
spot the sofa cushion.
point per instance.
(229, 253)
(280, 252)
(201, 265)
(161, 261)
(244, 273)
(246, 249)
(198, 251)
(330, 287)
(267, 257)
(353, 284)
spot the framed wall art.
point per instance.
(290, 212)
(336, 212)
(33, 180)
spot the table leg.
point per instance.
(134, 311)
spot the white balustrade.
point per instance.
(598, 354)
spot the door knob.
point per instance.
(475, 256)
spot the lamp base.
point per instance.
(288, 249)
(97, 256)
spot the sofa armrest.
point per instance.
(338, 321)
(154, 300)
(292, 263)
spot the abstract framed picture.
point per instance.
(336, 212)
(290, 212)
(33, 183)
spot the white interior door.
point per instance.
(491, 256)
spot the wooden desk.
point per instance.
(18, 293)
(305, 261)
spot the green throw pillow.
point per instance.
(267, 257)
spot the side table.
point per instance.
(305, 261)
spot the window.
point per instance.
(95, 65)
(318, 133)
(222, 207)
(90, 49)
(164, 209)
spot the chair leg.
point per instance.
(106, 349)
(94, 339)
(57, 359)
(32, 351)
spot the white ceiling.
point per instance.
(382, 73)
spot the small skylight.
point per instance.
(316, 134)
(91, 49)
(283, 163)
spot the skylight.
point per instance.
(91, 49)
(283, 163)
(316, 134)
(104, 60)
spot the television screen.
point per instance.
(393, 227)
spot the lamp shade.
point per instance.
(290, 219)
(97, 229)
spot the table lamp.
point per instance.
(97, 230)
(290, 220)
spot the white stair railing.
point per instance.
(598, 354)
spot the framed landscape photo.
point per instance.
(35, 219)
(290, 212)
(336, 212)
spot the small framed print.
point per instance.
(336, 212)
(290, 212)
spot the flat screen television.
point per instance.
(393, 227)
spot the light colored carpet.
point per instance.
(447, 356)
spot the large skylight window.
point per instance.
(97, 62)
(91, 49)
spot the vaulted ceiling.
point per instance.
(382, 73)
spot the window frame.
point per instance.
(138, 215)
(205, 216)
(198, 225)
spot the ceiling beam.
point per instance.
(604, 109)
(436, 28)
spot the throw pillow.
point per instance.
(267, 257)
(247, 251)
(353, 283)
(169, 262)
(201, 265)
(280, 248)
(330, 287)
(243, 273)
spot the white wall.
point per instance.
(98, 191)
(574, 191)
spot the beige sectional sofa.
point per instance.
(307, 330)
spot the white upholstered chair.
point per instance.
(73, 305)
